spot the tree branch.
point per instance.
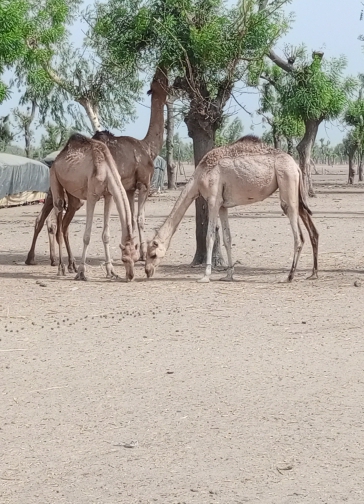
(284, 65)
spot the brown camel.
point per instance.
(134, 159)
(244, 172)
(85, 170)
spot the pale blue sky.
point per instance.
(329, 25)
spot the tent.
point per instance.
(22, 180)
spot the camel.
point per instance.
(85, 170)
(241, 173)
(134, 160)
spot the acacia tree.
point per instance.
(206, 45)
(313, 92)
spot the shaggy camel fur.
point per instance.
(85, 170)
(134, 160)
(244, 172)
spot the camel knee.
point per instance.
(58, 206)
(106, 236)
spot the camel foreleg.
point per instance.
(74, 204)
(210, 239)
(142, 198)
(110, 273)
(90, 209)
(51, 224)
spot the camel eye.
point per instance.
(153, 256)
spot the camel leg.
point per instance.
(39, 223)
(142, 198)
(110, 273)
(314, 236)
(51, 224)
(224, 219)
(74, 204)
(90, 209)
(131, 195)
(292, 213)
(59, 235)
(210, 239)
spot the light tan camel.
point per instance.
(134, 159)
(244, 172)
(85, 170)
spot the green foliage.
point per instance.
(316, 91)
(203, 42)
(5, 134)
(229, 132)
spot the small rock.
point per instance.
(357, 283)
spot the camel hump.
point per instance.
(249, 139)
(103, 136)
(78, 138)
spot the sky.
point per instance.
(332, 26)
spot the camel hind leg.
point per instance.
(39, 223)
(314, 237)
(289, 196)
(224, 219)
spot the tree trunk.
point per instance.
(203, 141)
(171, 167)
(360, 167)
(277, 142)
(290, 146)
(351, 156)
(27, 137)
(304, 149)
(92, 113)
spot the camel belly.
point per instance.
(247, 182)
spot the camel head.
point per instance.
(159, 85)
(155, 252)
(129, 255)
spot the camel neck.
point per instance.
(154, 136)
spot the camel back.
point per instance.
(245, 146)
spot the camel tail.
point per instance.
(302, 198)
(116, 187)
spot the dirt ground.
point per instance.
(168, 391)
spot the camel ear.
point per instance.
(122, 247)
(155, 243)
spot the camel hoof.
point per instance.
(314, 276)
(204, 279)
(227, 278)
(61, 270)
(53, 263)
(81, 276)
(30, 262)
(72, 268)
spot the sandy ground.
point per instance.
(168, 391)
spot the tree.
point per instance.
(24, 121)
(5, 134)
(354, 142)
(313, 92)
(208, 48)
